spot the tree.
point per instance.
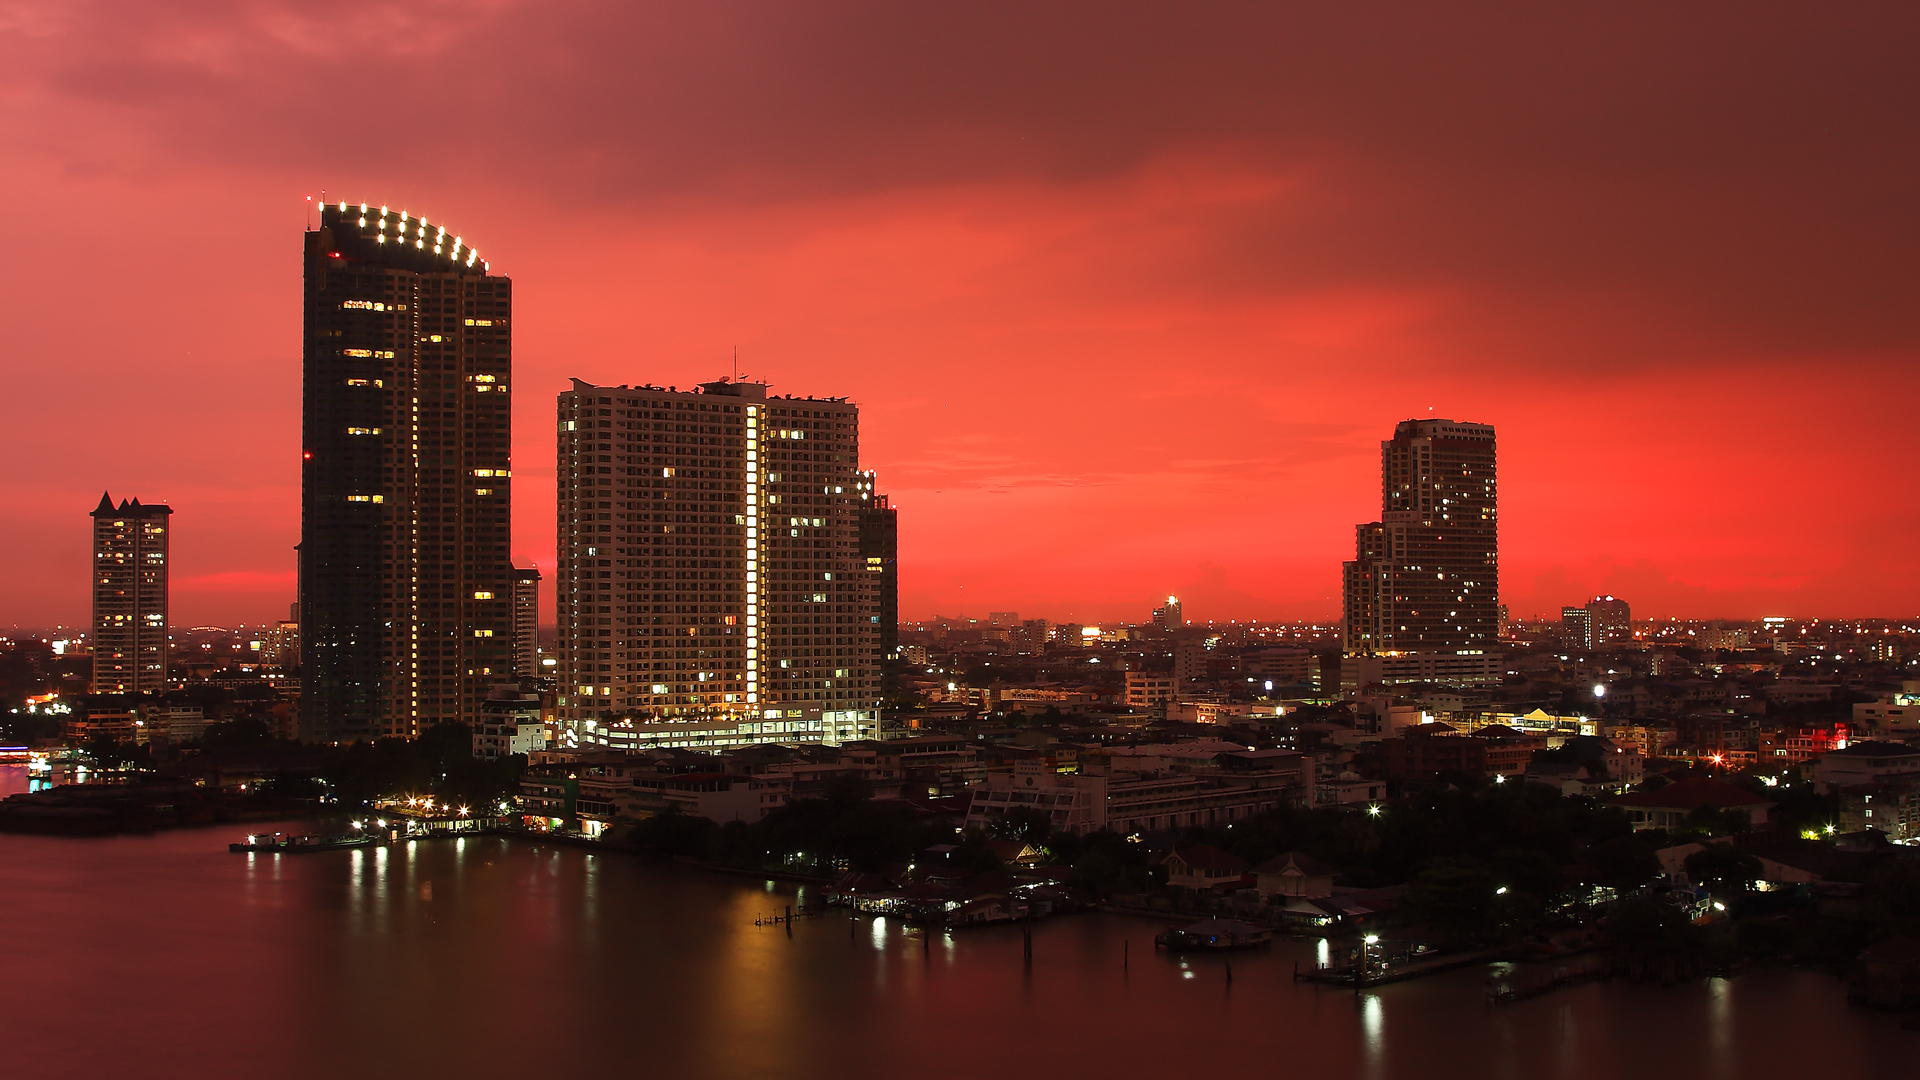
(1723, 870)
(1454, 898)
(1649, 926)
(1023, 823)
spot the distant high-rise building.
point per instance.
(130, 553)
(1611, 619)
(282, 646)
(1030, 636)
(880, 550)
(1603, 621)
(1576, 627)
(1169, 617)
(1425, 578)
(710, 565)
(405, 579)
(526, 622)
(1189, 660)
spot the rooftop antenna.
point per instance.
(736, 363)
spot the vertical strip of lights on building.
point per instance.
(753, 555)
(413, 558)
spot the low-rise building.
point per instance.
(1147, 689)
(510, 723)
(1894, 714)
(1892, 806)
(1428, 750)
(716, 796)
(1293, 875)
(1205, 868)
(1865, 764)
(1212, 789)
(1669, 807)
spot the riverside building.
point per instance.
(1421, 596)
(526, 622)
(880, 553)
(405, 581)
(130, 551)
(711, 574)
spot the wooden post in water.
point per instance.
(1126, 950)
(1029, 941)
(789, 920)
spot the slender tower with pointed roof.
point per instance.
(130, 554)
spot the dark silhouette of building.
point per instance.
(880, 548)
(130, 555)
(405, 579)
(709, 562)
(1426, 577)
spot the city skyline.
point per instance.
(1471, 257)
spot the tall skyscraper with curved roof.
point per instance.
(406, 581)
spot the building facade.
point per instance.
(130, 555)
(710, 566)
(1425, 578)
(1169, 616)
(880, 550)
(526, 622)
(406, 490)
(1609, 622)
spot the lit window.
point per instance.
(483, 595)
(483, 633)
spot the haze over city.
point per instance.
(1127, 301)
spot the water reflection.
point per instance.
(1373, 1034)
(247, 964)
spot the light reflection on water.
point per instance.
(219, 964)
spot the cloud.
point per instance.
(1125, 289)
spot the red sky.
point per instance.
(1128, 293)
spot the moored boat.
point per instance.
(301, 845)
(1215, 934)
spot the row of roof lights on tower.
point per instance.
(420, 227)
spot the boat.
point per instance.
(1215, 934)
(305, 844)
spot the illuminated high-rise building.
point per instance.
(1169, 617)
(880, 553)
(1425, 578)
(130, 553)
(405, 580)
(1605, 620)
(526, 622)
(710, 566)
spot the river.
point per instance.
(166, 955)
